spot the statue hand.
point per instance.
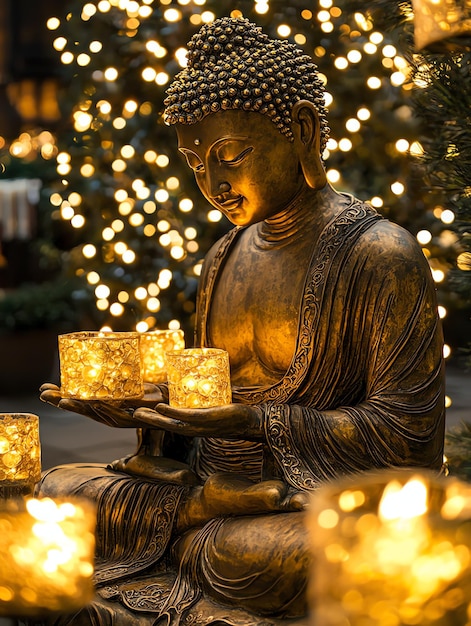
(225, 494)
(157, 468)
(116, 414)
(232, 421)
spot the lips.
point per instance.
(230, 203)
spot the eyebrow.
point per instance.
(228, 138)
(219, 141)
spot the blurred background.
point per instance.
(101, 224)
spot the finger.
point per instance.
(297, 502)
(75, 406)
(120, 464)
(157, 420)
(112, 416)
(148, 401)
(150, 388)
(166, 409)
(51, 396)
(48, 386)
(183, 414)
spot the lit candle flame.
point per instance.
(403, 501)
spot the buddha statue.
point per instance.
(329, 315)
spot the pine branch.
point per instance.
(458, 450)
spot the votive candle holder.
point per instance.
(46, 556)
(198, 378)
(100, 365)
(391, 547)
(20, 454)
(154, 346)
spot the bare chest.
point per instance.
(255, 312)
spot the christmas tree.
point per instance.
(438, 53)
(445, 102)
(138, 227)
(37, 291)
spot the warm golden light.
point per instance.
(20, 452)
(424, 237)
(447, 216)
(198, 378)
(403, 501)
(436, 21)
(391, 547)
(154, 346)
(214, 215)
(464, 261)
(53, 23)
(46, 556)
(100, 365)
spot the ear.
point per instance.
(307, 141)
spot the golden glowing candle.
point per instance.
(437, 22)
(198, 377)
(100, 365)
(20, 453)
(46, 556)
(154, 345)
(391, 548)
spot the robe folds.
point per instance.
(364, 390)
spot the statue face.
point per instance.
(243, 165)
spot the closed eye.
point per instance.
(193, 161)
(239, 158)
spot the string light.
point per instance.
(150, 207)
(424, 237)
(447, 216)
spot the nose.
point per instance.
(224, 187)
(214, 185)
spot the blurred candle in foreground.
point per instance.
(391, 549)
(198, 378)
(154, 345)
(100, 365)
(46, 557)
(20, 454)
(441, 26)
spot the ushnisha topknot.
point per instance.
(232, 64)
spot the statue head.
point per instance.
(232, 64)
(250, 119)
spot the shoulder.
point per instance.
(391, 242)
(376, 239)
(389, 257)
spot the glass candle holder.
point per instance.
(20, 454)
(198, 378)
(391, 548)
(154, 345)
(100, 365)
(46, 557)
(436, 22)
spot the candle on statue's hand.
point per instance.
(154, 346)
(100, 365)
(199, 378)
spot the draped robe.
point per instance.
(364, 389)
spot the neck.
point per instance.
(307, 211)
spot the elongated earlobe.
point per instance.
(306, 131)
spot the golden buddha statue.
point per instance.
(329, 316)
